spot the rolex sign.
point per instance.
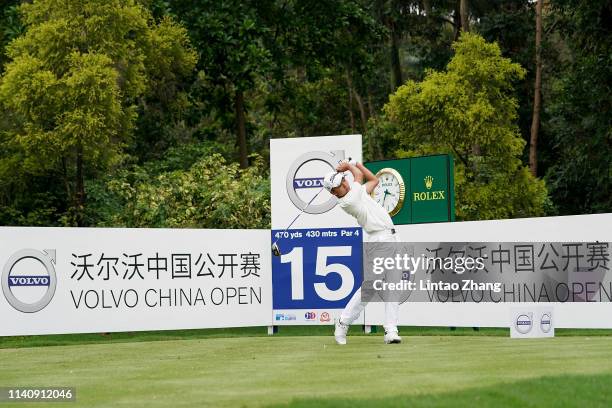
(416, 190)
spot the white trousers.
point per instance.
(355, 306)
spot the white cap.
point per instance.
(332, 179)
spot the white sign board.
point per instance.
(297, 167)
(320, 266)
(575, 228)
(77, 280)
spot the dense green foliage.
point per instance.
(71, 88)
(117, 112)
(580, 109)
(211, 194)
(470, 104)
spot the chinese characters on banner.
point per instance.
(177, 265)
(530, 257)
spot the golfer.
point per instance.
(354, 198)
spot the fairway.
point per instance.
(313, 371)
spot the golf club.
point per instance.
(275, 248)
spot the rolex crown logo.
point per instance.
(429, 194)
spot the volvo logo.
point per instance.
(29, 280)
(546, 323)
(524, 323)
(305, 177)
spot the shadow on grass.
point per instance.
(554, 391)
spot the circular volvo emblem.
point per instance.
(523, 324)
(305, 179)
(29, 280)
(546, 323)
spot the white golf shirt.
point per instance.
(369, 214)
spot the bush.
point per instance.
(469, 111)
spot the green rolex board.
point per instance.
(428, 188)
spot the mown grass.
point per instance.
(225, 368)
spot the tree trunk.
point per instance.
(241, 129)
(465, 27)
(456, 22)
(375, 150)
(349, 85)
(396, 67)
(537, 95)
(79, 185)
(362, 112)
(464, 13)
(427, 7)
(69, 196)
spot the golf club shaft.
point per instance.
(301, 212)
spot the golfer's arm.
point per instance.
(370, 178)
(357, 174)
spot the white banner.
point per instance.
(77, 280)
(74, 280)
(577, 228)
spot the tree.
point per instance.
(471, 103)
(73, 83)
(510, 23)
(262, 49)
(235, 43)
(389, 13)
(578, 111)
(537, 94)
